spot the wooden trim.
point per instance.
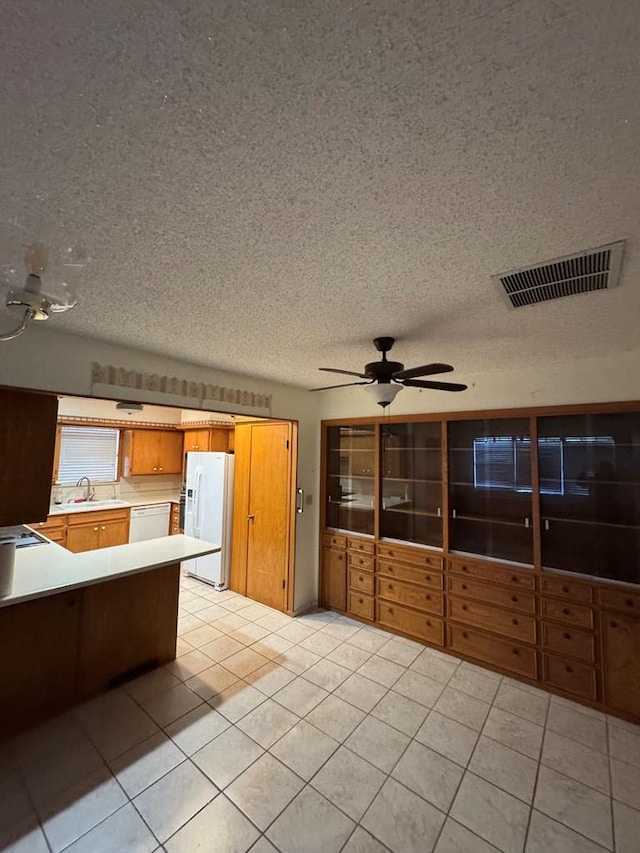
(444, 441)
(522, 411)
(293, 479)
(535, 494)
(67, 420)
(377, 483)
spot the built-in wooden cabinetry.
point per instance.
(174, 519)
(87, 531)
(151, 451)
(511, 539)
(27, 439)
(208, 439)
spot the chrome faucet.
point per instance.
(90, 492)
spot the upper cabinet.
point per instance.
(411, 482)
(590, 494)
(490, 488)
(151, 451)
(207, 439)
(350, 483)
(27, 443)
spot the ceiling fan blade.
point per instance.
(423, 370)
(346, 385)
(345, 372)
(437, 386)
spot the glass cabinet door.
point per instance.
(411, 482)
(351, 478)
(590, 493)
(490, 488)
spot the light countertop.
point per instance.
(89, 506)
(47, 569)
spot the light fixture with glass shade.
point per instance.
(383, 393)
(47, 288)
(129, 408)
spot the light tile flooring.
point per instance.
(319, 734)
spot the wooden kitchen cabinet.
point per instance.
(174, 520)
(27, 448)
(90, 531)
(196, 440)
(334, 573)
(151, 451)
(621, 661)
(54, 528)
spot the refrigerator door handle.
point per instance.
(197, 514)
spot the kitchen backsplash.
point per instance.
(126, 490)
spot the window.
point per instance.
(565, 464)
(87, 451)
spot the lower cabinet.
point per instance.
(621, 661)
(90, 531)
(333, 594)
(577, 638)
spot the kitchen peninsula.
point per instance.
(75, 625)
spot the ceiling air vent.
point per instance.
(597, 269)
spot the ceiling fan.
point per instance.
(386, 378)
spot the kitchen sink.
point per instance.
(87, 506)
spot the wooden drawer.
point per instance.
(569, 641)
(566, 588)
(53, 523)
(361, 605)
(334, 540)
(433, 579)
(619, 599)
(512, 598)
(364, 546)
(494, 573)
(568, 614)
(98, 516)
(493, 619)
(412, 596)
(415, 556)
(360, 561)
(362, 581)
(419, 625)
(502, 653)
(576, 678)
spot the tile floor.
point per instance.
(319, 734)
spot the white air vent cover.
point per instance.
(597, 269)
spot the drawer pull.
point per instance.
(464, 586)
(427, 597)
(427, 622)
(514, 579)
(566, 611)
(516, 651)
(96, 528)
(390, 609)
(566, 635)
(391, 554)
(361, 579)
(568, 668)
(515, 622)
(427, 577)
(390, 587)
(465, 635)
(613, 624)
(464, 606)
(629, 602)
(360, 601)
(514, 598)
(565, 589)
(465, 568)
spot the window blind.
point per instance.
(88, 452)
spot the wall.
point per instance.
(615, 378)
(48, 360)
(81, 407)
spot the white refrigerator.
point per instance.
(208, 514)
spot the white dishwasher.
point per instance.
(150, 521)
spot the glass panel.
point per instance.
(350, 478)
(490, 488)
(590, 494)
(411, 480)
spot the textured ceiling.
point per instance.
(266, 186)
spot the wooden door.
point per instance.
(196, 439)
(113, 533)
(145, 451)
(169, 452)
(219, 440)
(334, 579)
(621, 662)
(27, 443)
(83, 537)
(262, 512)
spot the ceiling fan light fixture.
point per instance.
(384, 393)
(129, 408)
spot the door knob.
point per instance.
(250, 517)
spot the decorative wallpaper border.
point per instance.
(171, 390)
